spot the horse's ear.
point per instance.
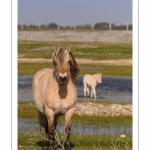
(55, 49)
(68, 49)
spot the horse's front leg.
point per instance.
(85, 87)
(55, 124)
(68, 118)
(93, 91)
(51, 129)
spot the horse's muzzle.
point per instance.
(63, 80)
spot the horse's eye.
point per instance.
(68, 62)
(55, 63)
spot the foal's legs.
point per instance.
(86, 89)
(68, 117)
(93, 91)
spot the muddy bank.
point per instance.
(120, 62)
(89, 108)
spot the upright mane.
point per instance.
(74, 68)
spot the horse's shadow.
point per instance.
(40, 144)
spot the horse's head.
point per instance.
(65, 65)
(99, 77)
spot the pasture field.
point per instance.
(95, 51)
(78, 141)
(32, 68)
(92, 50)
(28, 110)
(81, 50)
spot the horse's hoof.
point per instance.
(55, 148)
(67, 147)
(51, 148)
(44, 148)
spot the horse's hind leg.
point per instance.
(84, 90)
(44, 128)
(88, 91)
(91, 93)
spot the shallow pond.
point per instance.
(32, 126)
(113, 89)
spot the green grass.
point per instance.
(79, 142)
(104, 52)
(106, 70)
(32, 68)
(28, 110)
(92, 50)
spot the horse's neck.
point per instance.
(62, 88)
(94, 77)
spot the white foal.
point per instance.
(91, 80)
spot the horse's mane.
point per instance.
(74, 68)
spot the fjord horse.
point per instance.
(54, 93)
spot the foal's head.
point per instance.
(65, 65)
(99, 77)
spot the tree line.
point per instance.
(97, 26)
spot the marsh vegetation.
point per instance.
(81, 50)
(87, 51)
(88, 131)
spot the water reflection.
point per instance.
(114, 89)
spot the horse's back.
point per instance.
(87, 79)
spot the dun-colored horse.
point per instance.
(54, 93)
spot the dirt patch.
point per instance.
(114, 36)
(119, 62)
(89, 108)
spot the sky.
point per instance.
(74, 12)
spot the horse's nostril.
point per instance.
(63, 80)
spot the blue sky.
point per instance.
(71, 12)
